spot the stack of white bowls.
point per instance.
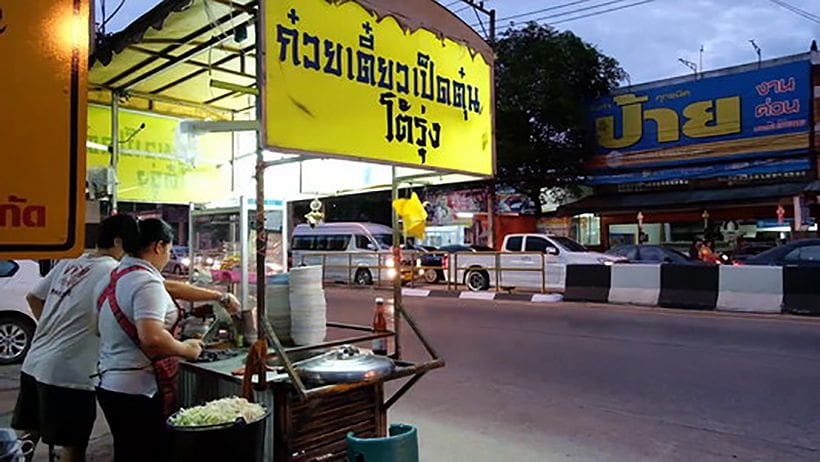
(308, 307)
(277, 306)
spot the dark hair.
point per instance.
(117, 226)
(150, 231)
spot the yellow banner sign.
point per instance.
(157, 163)
(340, 81)
(44, 56)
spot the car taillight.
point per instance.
(444, 260)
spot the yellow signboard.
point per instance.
(43, 71)
(155, 164)
(341, 81)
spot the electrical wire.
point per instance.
(542, 10)
(481, 23)
(805, 14)
(609, 10)
(578, 10)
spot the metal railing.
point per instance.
(498, 269)
(412, 269)
(352, 262)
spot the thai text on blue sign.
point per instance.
(758, 113)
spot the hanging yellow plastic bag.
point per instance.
(413, 215)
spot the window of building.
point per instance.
(588, 229)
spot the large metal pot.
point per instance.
(345, 364)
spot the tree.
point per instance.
(545, 80)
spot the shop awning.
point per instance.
(187, 58)
(677, 200)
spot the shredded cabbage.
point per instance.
(221, 411)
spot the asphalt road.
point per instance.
(530, 382)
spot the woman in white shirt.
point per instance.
(138, 351)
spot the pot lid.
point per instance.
(345, 364)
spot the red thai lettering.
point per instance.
(16, 214)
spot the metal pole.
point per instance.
(492, 27)
(261, 236)
(497, 272)
(244, 280)
(285, 235)
(115, 147)
(397, 300)
(191, 243)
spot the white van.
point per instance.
(17, 323)
(350, 252)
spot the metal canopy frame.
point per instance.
(160, 67)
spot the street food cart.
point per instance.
(402, 84)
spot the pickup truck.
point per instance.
(522, 258)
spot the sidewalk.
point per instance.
(100, 448)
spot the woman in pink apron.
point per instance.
(139, 351)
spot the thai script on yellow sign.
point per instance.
(44, 59)
(343, 82)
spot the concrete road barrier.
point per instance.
(689, 286)
(801, 290)
(587, 283)
(753, 289)
(635, 284)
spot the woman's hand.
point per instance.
(231, 303)
(193, 348)
(157, 342)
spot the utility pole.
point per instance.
(700, 61)
(490, 191)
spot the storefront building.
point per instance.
(723, 154)
(456, 213)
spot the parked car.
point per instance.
(350, 251)
(652, 254)
(798, 253)
(744, 253)
(434, 262)
(180, 262)
(528, 260)
(17, 323)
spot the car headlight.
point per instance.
(391, 273)
(390, 263)
(605, 261)
(209, 261)
(186, 261)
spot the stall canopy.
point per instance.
(196, 59)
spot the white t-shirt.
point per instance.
(65, 347)
(141, 295)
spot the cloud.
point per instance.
(649, 39)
